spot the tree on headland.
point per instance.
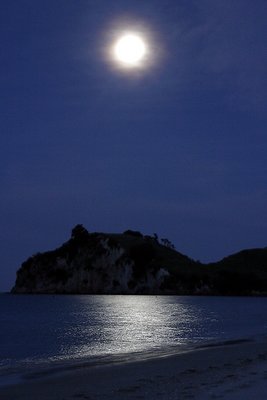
(156, 238)
(167, 243)
(129, 232)
(79, 233)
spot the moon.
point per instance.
(130, 50)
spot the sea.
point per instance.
(45, 334)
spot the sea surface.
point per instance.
(44, 333)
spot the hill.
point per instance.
(131, 263)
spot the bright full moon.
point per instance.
(130, 50)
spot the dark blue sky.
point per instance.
(178, 148)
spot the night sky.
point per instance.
(177, 147)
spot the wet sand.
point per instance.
(227, 371)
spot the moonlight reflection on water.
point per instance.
(126, 324)
(60, 328)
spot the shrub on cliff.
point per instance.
(133, 233)
(79, 233)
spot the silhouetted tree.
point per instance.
(156, 237)
(129, 232)
(167, 243)
(79, 233)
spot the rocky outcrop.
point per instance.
(130, 263)
(91, 263)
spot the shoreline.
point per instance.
(233, 370)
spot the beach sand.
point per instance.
(228, 371)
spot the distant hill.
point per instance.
(131, 263)
(242, 273)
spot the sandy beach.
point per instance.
(227, 371)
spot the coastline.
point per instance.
(231, 370)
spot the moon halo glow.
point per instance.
(130, 50)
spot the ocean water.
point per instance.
(41, 334)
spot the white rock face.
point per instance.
(87, 264)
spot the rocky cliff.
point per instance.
(131, 263)
(96, 263)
